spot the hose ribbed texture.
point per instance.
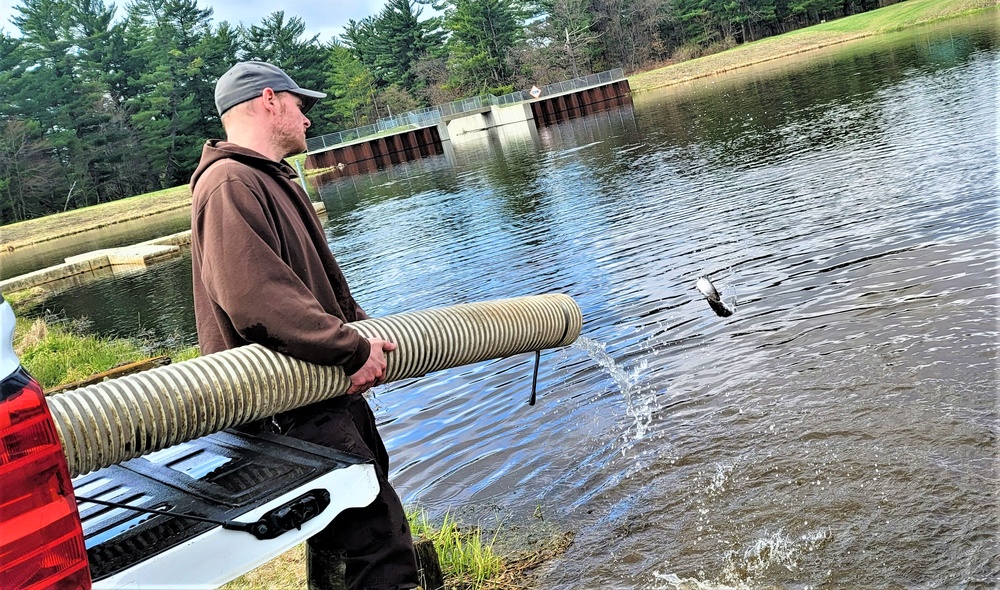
(124, 418)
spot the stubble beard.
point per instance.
(289, 141)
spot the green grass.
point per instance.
(62, 357)
(884, 20)
(467, 559)
(296, 161)
(468, 562)
(902, 15)
(60, 352)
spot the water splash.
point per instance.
(675, 582)
(779, 550)
(731, 285)
(639, 400)
(723, 474)
(753, 565)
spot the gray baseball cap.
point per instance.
(247, 79)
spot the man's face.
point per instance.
(290, 129)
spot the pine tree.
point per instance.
(350, 87)
(283, 43)
(220, 48)
(485, 37)
(173, 120)
(392, 44)
(58, 93)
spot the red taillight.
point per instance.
(41, 540)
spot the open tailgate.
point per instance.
(227, 476)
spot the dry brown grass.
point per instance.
(36, 333)
(285, 572)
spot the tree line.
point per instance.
(100, 103)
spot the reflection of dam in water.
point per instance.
(434, 131)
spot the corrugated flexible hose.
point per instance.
(124, 418)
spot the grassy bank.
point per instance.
(51, 227)
(36, 231)
(469, 557)
(896, 17)
(466, 559)
(58, 352)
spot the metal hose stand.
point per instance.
(124, 418)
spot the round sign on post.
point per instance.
(535, 92)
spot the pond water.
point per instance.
(839, 430)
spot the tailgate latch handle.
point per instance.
(290, 515)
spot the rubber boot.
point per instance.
(324, 569)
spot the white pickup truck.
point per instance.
(195, 515)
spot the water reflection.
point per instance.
(154, 305)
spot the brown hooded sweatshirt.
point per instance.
(262, 269)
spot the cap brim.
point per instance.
(309, 97)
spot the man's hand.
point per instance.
(371, 373)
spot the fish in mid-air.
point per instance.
(713, 296)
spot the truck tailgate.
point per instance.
(227, 476)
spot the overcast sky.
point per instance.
(325, 17)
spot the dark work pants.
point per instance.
(374, 542)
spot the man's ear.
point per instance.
(269, 99)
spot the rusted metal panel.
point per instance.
(559, 108)
(366, 156)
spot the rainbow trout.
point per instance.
(713, 296)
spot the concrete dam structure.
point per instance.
(420, 134)
(556, 109)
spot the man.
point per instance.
(264, 273)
